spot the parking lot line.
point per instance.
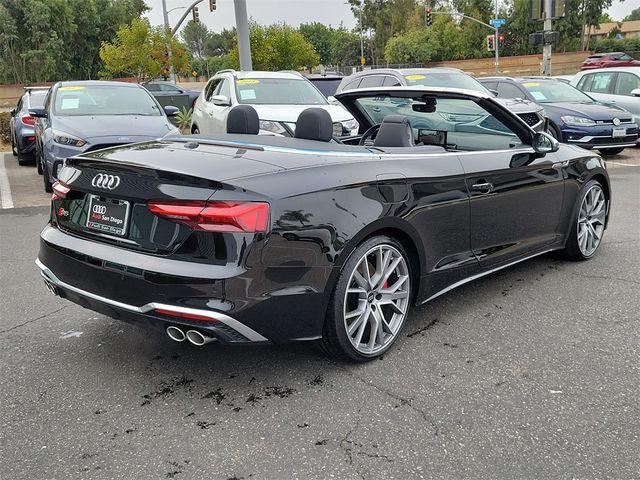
(6, 200)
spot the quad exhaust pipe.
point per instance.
(193, 336)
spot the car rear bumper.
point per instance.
(254, 305)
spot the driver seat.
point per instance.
(395, 131)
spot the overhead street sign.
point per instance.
(497, 22)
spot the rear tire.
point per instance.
(611, 151)
(369, 303)
(24, 159)
(14, 150)
(38, 162)
(554, 132)
(587, 225)
(195, 131)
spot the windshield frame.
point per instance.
(472, 80)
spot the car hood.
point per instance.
(135, 127)
(594, 111)
(289, 113)
(519, 105)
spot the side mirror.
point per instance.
(220, 100)
(635, 92)
(171, 111)
(544, 143)
(13, 112)
(38, 112)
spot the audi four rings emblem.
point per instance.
(108, 182)
(100, 209)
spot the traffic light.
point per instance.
(490, 45)
(212, 5)
(196, 15)
(501, 40)
(429, 16)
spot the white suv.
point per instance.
(278, 97)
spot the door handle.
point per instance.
(482, 187)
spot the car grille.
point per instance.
(531, 118)
(610, 122)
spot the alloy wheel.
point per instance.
(591, 220)
(377, 299)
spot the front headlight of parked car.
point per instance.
(350, 125)
(577, 121)
(68, 140)
(273, 127)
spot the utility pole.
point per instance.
(242, 28)
(362, 61)
(167, 39)
(546, 49)
(496, 40)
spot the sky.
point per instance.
(295, 12)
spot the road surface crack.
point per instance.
(33, 320)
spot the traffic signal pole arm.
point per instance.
(187, 11)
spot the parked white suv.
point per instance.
(278, 97)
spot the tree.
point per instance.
(634, 15)
(139, 50)
(277, 47)
(195, 36)
(321, 37)
(415, 46)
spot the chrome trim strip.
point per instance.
(239, 327)
(482, 274)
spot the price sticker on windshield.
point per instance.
(415, 77)
(248, 81)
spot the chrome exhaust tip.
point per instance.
(176, 334)
(198, 338)
(51, 287)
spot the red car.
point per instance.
(604, 60)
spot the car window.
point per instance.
(626, 83)
(35, 99)
(94, 99)
(19, 106)
(508, 90)
(601, 82)
(328, 87)
(165, 87)
(445, 79)
(153, 87)
(625, 57)
(278, 91)
(371, 81)
(224, 89)
(211, 88)
(353, 84)
(390, 81)
(464, 123)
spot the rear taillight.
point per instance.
(60, 191)
(229, 217)
(28, 120)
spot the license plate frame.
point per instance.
(619, 132)
(105, 226)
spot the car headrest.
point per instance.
(243, 119)
(314, 124)
(395, 131)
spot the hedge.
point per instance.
(5, 134)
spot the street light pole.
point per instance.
(167, 39)
(242, 28)
(496, 41)
(546, 49)
(361, 39)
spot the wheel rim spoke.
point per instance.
(377, 299)
(591, 219)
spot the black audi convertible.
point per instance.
(244, 238)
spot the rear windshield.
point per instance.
(446, 79)
(278, 91)
(104, 100)
(328, 87)
(36, 99)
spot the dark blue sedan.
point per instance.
(574, 117)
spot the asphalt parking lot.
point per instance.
(531, 373)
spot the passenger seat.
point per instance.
(243, 119)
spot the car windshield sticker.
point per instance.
(531, 84)
(537, 95)
(413, 78)
(248, 81)
(249, 94)
(70, 88)
(70, 103)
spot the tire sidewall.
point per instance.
(336, 307)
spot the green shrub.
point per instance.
(5, 133)
(183, 119)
